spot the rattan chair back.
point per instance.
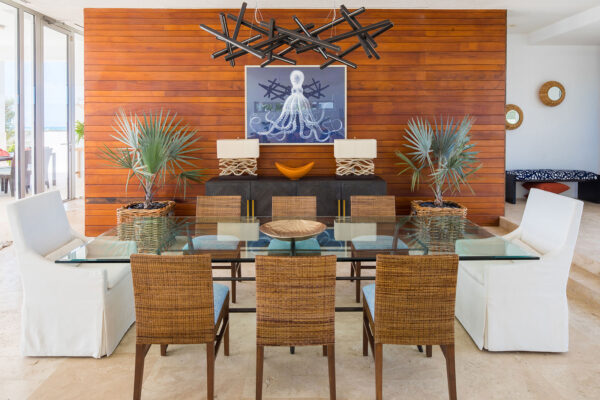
(295, 300)
(414, 299)
(294, 206)
(218, 206)
(173, 299)
(373, 206)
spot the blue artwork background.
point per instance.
(268, 88)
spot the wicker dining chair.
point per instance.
(295, 306)
(218, 206)
(176, 302)
(221, 206)
(294, 206)
(411, 303)
(369, 206)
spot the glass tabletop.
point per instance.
(240, 239)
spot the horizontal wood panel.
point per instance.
(434, 62)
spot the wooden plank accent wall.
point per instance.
(434, 62)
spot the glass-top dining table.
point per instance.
(239, 239)
(350, 239)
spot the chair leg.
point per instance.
(357, 274)
(365, 339)
(352, 271)
(163, 349)
(233, 283)
(140, 355)
(210, 370)
(448, 351)
(378, 371)
(226, 339)
(260, 357)
(428, 350)
(239, 270)
(324, 350)
(331, 363)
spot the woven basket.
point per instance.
(145, 227)
(125, 214)
(439, 234)
(417, 209)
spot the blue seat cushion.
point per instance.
(219, 295)
(308, 244)
(214, 242)
(369, 293)
(372, 242)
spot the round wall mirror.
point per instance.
(513, 116)
(552, 93)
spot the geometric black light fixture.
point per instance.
(270, 37)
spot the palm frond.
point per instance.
(156, 145)
(445, 149)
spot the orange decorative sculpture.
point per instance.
(294, 173)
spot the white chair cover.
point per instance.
(68, 310)
(522, 305)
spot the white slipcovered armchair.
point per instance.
(522, 305)
(68, 309)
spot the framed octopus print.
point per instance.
(295, 104)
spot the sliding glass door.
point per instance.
(27, 169)
(9, 70)
(78, 140)
(41, 97)
(56, 155)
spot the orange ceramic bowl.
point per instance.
(295, 173)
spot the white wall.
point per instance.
(563, 137)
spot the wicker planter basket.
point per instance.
(144, 228)
(417, 209)
(439, 234)
(125, 214)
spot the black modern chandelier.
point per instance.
(270, 37)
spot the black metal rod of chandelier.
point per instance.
(270, 37)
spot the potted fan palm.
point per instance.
(443, 153)
(155, 146)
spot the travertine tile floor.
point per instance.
(407, 373)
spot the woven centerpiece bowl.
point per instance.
(288, 229)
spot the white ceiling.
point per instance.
(524, 16)
(582, 29)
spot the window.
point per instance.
(41, 97)
(29, 104)
(9, 58)
(79, 116)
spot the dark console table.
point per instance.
(333, 193)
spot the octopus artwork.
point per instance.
(299, 121)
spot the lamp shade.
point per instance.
(355, 148)
(238, 148)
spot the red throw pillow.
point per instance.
(553, 187)
(4, 153)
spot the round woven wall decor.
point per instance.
(513, 125)
(544, 93)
